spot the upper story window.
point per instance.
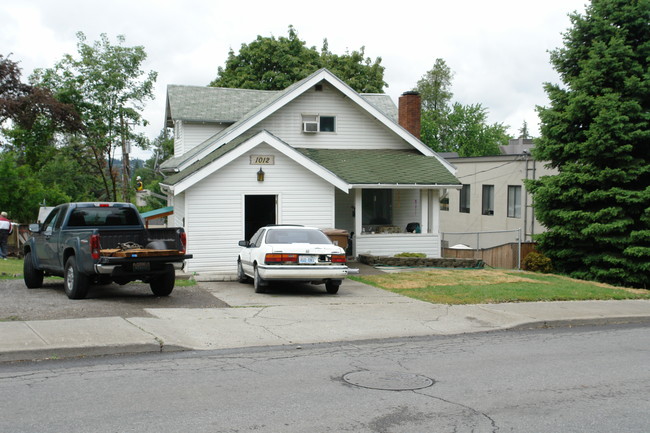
(488, 200)
(313, 123)
(514, 201)
(463, 206)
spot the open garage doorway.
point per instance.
(259, 211)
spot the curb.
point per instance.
(44, 354)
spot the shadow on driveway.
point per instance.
(50, 302)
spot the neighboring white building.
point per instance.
(317, 153)
(493, 197)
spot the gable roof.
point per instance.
(227, 105)
(279, 99)
(225, 154)
(211, 104)
(344, 169)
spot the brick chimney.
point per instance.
(409, 112)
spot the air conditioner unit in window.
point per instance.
(310, 126)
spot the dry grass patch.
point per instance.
(480, 286)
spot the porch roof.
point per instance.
(382, 167)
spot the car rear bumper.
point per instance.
(302, 273)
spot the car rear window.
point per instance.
(293, 236)
(103, 217)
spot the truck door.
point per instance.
(47, 250)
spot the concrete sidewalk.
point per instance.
(297, 315)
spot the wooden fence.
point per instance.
(502, 256)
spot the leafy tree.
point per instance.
(163, 148)
(274, 64)
(523, 131)
(435, 88)
(456, 127)
(22, 191)
(109, 89)
(467, 132)
(31, 116)
(596, 132)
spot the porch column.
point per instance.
(424, 211)
(434, 209)
(357, 213)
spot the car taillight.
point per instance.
(281, 258)
(183, 242)
(338, 258)
(95, 247)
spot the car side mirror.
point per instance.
(35, 228)
(244, 244)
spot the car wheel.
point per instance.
(162, 285)
(241, 276)
(258, 282)
(32, 276)
(75, 283)
(332, 286)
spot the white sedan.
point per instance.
(291, 253)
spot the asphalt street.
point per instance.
(570, 380)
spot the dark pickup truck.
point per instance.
(100, 243)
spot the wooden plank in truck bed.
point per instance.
(138, 252)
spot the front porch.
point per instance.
(391, 220)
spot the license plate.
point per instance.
(307, 260)
(140, 266)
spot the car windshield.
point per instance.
(296, 236)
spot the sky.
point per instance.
(498, 50)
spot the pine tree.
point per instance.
(596, 132)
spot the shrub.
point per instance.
(537, 262)
(421, 255)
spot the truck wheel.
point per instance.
(74, 282)
(162, 285)
(241, 276)
(258, 282)
(332, 286)
(32, 276)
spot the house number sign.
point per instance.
(262, 160)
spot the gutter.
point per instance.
(404, 186)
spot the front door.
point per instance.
(259, 211)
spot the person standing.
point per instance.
(5, 231)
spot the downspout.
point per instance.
(526, 199)
(532, 206)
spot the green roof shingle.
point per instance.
(390, 167)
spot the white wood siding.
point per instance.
(178, 138)
(391, 244)
(216, 223)
(196, 133)
(355, 128)
(178, 217)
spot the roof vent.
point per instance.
(318, 87)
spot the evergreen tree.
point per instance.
(596, 132)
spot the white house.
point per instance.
(493, 197)
(317, 153)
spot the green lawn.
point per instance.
(482, 286)
(13, 269)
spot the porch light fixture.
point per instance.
(260, 175)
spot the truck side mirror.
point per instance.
(35, 228)
(244, 244)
